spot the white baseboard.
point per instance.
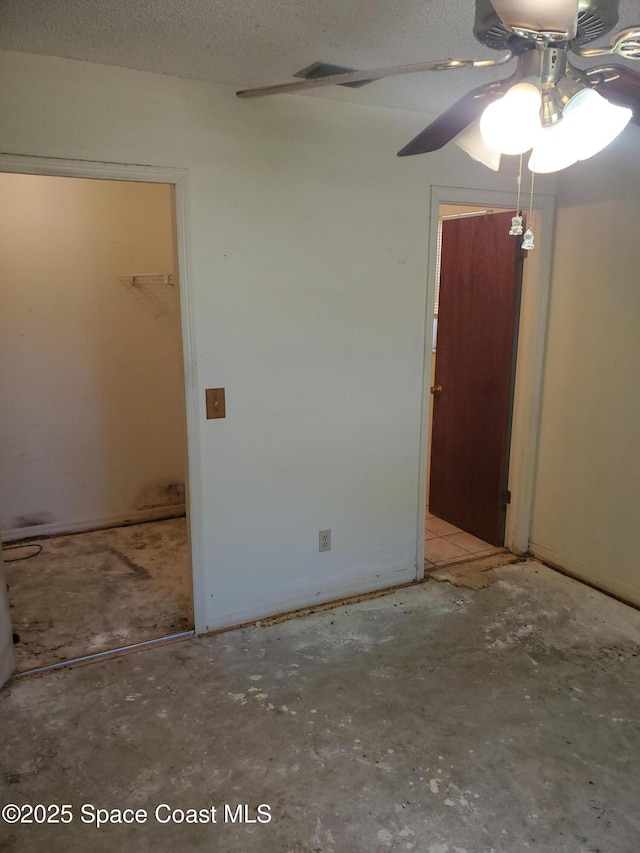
(139, 516)
(583, 573)
(309, 598)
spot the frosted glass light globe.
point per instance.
(588, 125)
(472, 143)
(512, 124)
(595, 122)
(555, 149)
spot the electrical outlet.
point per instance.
(325, 540)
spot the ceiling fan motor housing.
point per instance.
(595, 19)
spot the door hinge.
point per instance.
(506, 496)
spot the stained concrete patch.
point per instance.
(95, 591)
(502, 720)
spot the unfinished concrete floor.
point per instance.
(437, 719)
(90, 592)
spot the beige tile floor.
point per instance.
(444, 543)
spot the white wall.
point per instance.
(588, 493)
(92, 428)
(307, 268)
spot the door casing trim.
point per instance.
(529, 367)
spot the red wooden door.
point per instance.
(480, 278)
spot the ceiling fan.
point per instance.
(561, 112)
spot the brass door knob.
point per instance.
(436, 389)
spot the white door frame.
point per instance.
(529, 367)
(179, 179)
(7, 657)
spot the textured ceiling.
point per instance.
(258, 42)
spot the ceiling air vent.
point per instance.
(323, 69)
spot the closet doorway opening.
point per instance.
(93, 432)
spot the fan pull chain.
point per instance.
(516, 221)
(527, 242)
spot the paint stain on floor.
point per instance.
(91, 592)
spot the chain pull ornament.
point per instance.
(528, 240)
(516, 221)
(516, 226)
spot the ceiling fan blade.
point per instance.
(555, 17)
(618, 84)
(373, 74)
(454, 120)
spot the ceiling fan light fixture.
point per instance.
(551, 109)
(594, 122)
(589, 124)
(472, 143)
(512, 124)
(554, 150)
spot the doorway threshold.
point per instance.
(475, 573)
(97, 656)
